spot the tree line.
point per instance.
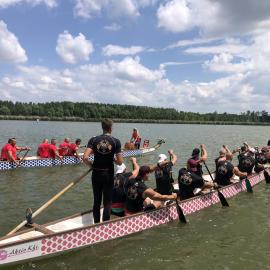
(100, 110)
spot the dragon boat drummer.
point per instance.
(248, 162)
(137, 193)
(135, 138)
(119, 197)
(43, 149)
(163, 175)
(11, 151)
(64, 147)
(188, 180)
(52, 150)
(261, 158)
(74, 149)
(226, 171)
(104, 147)
(4, 151)
(200, 160)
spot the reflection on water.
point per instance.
(215, 238)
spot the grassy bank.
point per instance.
(118, 120)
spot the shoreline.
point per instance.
(119, 120)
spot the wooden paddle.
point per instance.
(220, 195)
(23, 157)
(50, 201)
(178, 208)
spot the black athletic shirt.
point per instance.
(188, 181)
(134, 189)
(119, 195)
(104, 147)
(262, 159)
(224, 173)
(247, 163)
(216, 160)
(199, 167)
(163, 179)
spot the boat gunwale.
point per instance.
(101, 223)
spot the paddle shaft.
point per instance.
(50, 201)
(23, 156)
(179, 209)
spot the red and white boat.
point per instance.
(79, 230)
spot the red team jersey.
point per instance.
(72, 149)
(4, 153)
(43, 150)
(13, 150)
(63, 152)
(51, 150)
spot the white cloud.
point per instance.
(113, 27)
(163, 65)
(152, 50)
(114, 8)
(48, 3)
(188, 42)
(40, 60)
(73, 50)
(10, 48)
(110, 50)
(214, 18)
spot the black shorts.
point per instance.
(103, 176)
(149, 207)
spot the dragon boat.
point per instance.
(36, 161)
(73, 232)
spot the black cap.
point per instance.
(195, 152)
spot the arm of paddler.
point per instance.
(203, 158)
(226, 148)
(161, 164)
(77, 154)
(238, 173)
(155, 196)
(174, 157)
(12, 158)
(86, 155)
(245, 143)
(136, 168)
(55, 152)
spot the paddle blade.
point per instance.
(222, 199)
(266, 177)
(180, 213)
(248, 185)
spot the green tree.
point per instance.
(4, 110)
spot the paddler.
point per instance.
(226, 171)
(74, 149)
(137, 192)
(11, 151)
(241, 151)
(119, 197)
(4, 151)
(200, 160)
(221, 155)
(52, 150)
(104, 147)
(64, 147)
(188, 180)
(261, 158)
(43, 149)
(163, 174)
(135, 138)
(248, 162)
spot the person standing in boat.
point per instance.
(188, 180)
(226, 171)
(261, 158)
(4, 151)
(135, 138)
(104, 147)
(119, 197)
(74, 149)
(200, 160)
(248, 162)
(137, 192)
(43, 149)
(11, 151)
(52, 151)
(163, 174)
(64, 147)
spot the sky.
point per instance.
(191, 55)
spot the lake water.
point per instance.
(215, 238)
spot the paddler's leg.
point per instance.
(97, 190)
(107, 196)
